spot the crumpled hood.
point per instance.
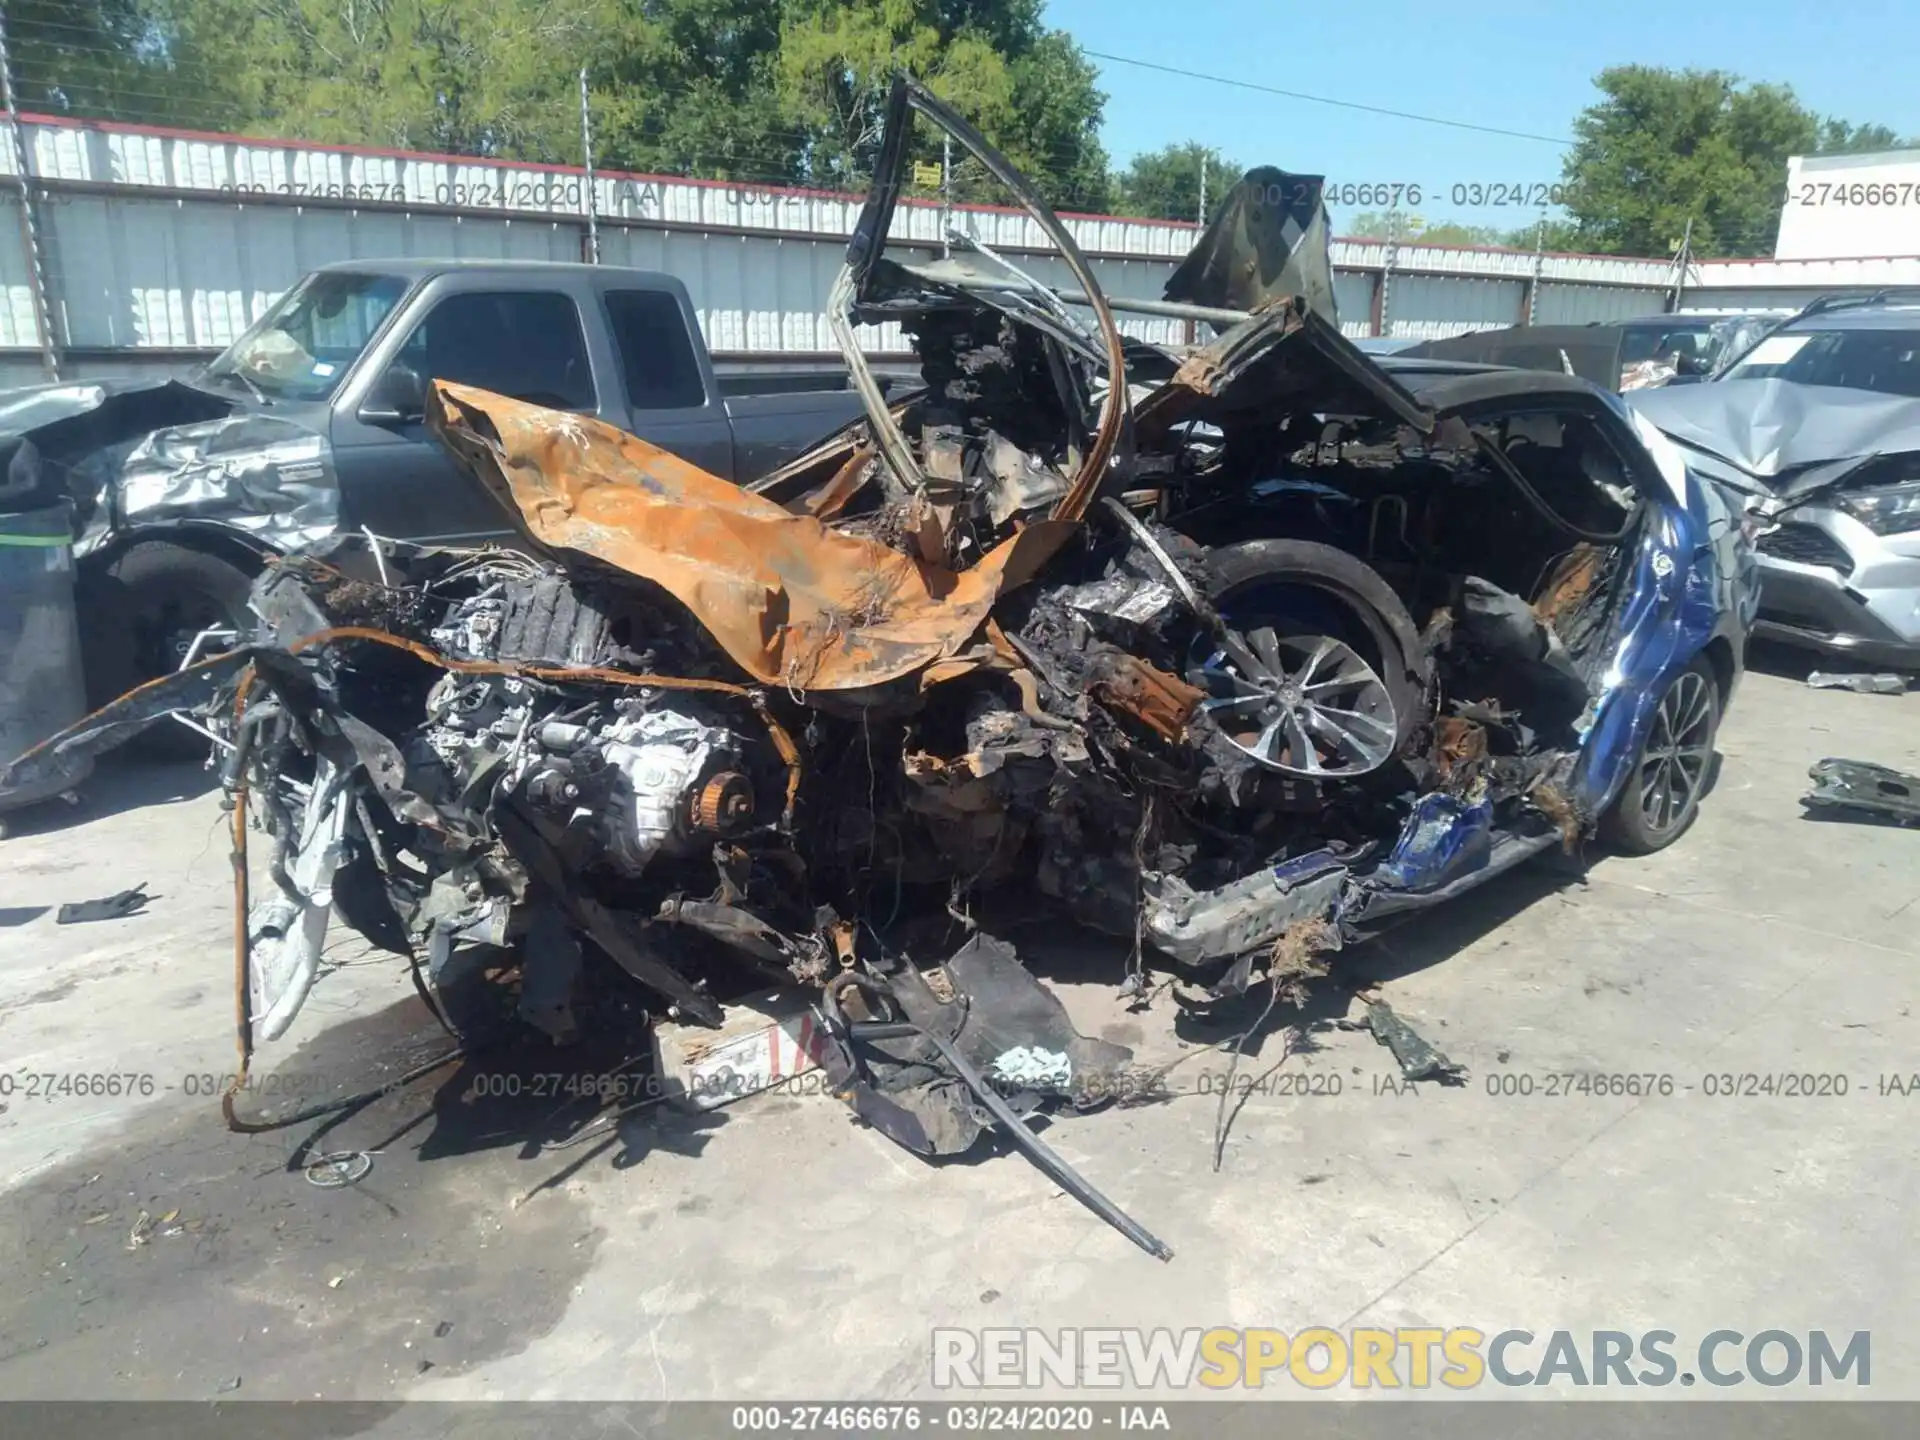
(133, 452)
(114, 408)
(27, 407)
(269, 476)
(792, 601)
(1785, 437)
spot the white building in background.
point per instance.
(1851, 207)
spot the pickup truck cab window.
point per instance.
(527, 344)
(656, 353)
(302, 348)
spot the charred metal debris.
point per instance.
(1860, 790)
(1011, 628)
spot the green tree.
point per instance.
(687, 87)
(837, 60)
(790, 91)
(1665, 147)
(482, 77)
(1164, 184)
(88, 57)
(1551, 235)
(1052, 129)
(1028, 89)
(1054, 133)
(1837, 137)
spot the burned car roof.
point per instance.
(1449, 388)
(1771, 428)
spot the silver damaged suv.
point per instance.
(1819, 425)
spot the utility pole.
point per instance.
(586, 155)
(1203, 189)
(1680, 271)
(29, 222)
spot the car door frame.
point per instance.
(350, 432)
(704, 431)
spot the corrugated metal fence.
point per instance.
(159, 247)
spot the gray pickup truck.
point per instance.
(311, 424)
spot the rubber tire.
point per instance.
(1402, 665)
(106, 642)
(1624, 827)
(147, 576)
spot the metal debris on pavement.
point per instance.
(117, 906)
(1885, 683)
(338, 1169)
(1416, 1056)
(1859, 789)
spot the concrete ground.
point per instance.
(778, 1249)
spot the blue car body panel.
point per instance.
(1444, 838)
(1694, 587)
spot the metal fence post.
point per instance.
(1680, 267)
(586, 157)
(29, 221)
(1539, 264)
(946, 196)
(1383, 326)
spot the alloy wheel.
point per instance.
(1673, 766)
(1301, 704)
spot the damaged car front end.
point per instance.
(1817, 430)
(1208, 646)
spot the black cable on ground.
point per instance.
(329, 1107)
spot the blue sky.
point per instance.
(1526, 67)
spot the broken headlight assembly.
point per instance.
(1886, 509)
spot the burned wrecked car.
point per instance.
(1214, 648)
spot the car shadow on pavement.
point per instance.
(503, 1086)
(1851, 816)
(1443, 932)
(1790, 662)
(119, 782)
(561, 1108)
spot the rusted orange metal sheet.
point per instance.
(791, 600)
